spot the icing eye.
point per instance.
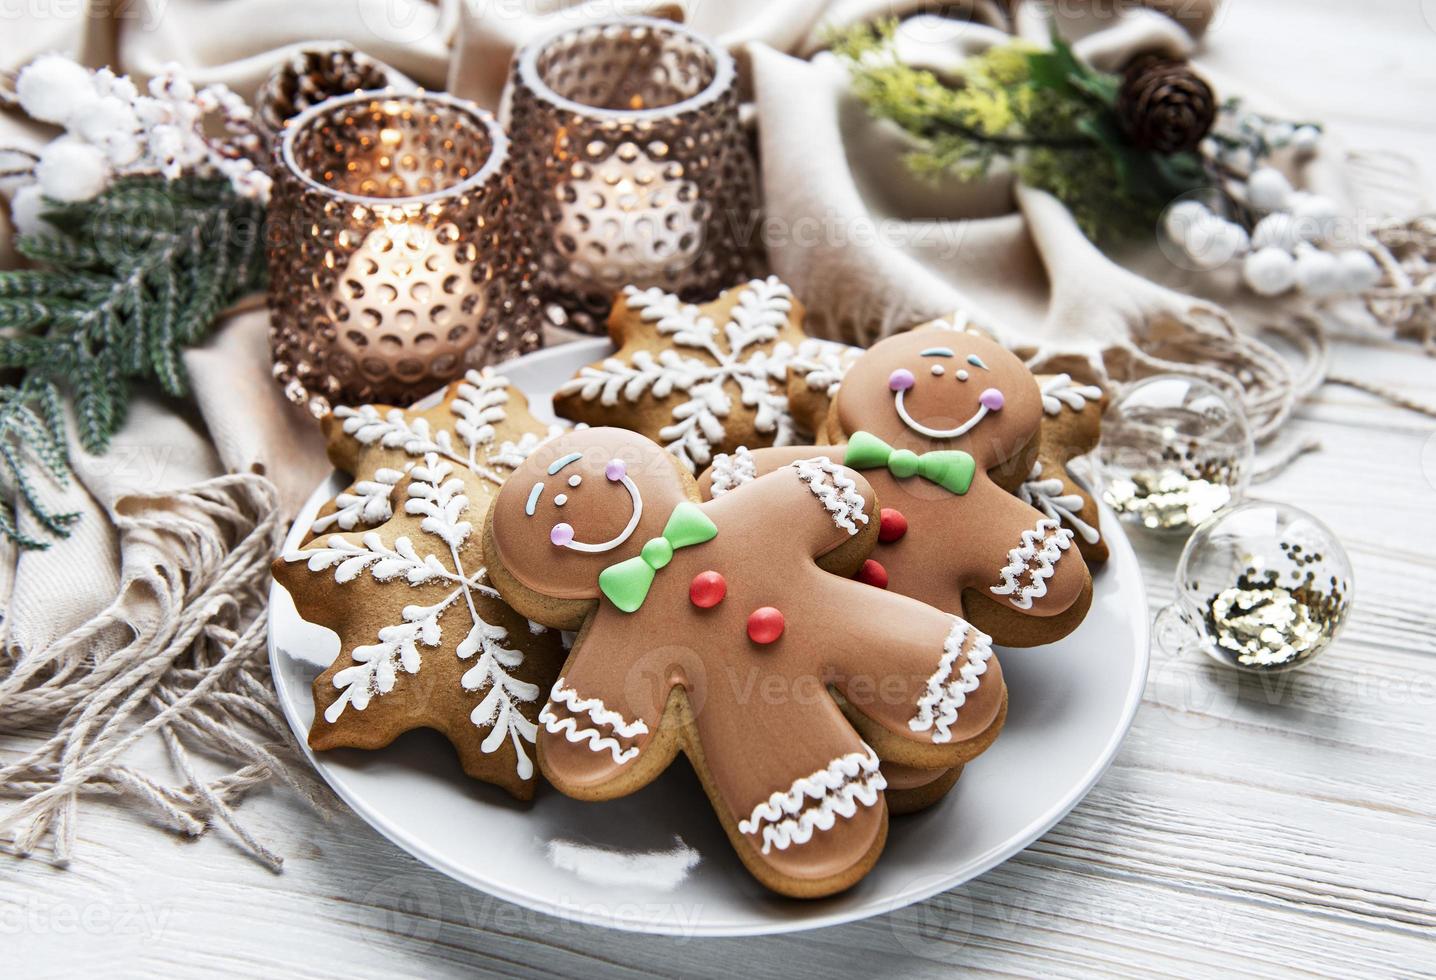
(962, 374)
(560, 500)
(991, 399)
(937, 370)
(976, 361)
(575, 480)
(615, 470)
(901, 380)
(533, 499)
(561, 534)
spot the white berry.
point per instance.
(71, 170)
(27, 205)
(1183, 216)
(52, 88)
(1358, 271)
(1317, 272)
(1269, 271)
(1315, 215)
(1306, 138)
(1276, 230)
(1268, 189)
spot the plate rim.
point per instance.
(992, 858)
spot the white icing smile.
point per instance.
(902, 380)
(932, 433)
(562, 533)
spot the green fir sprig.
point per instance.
(122, 285)
(1042, 112)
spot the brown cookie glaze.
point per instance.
(945, 425)
(394, 566)
(744, 651)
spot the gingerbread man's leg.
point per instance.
(800, 790)
(601, 734)
(922, 686)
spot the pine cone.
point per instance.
(314, 74)
(1164, 106)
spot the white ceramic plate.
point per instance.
(657, 861)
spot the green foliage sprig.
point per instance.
(1042, 112)
(123, 284)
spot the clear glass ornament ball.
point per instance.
(1175, 450)
(1262, 587)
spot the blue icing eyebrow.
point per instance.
(976, 361)
(937, 352)
(533, 499)
(563, 461)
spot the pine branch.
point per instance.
(127, 282)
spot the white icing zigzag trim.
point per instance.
(1049, 497)
(1039, 552)
(1060, 390)
(836, 492)
(945, 693)
(730, 472)
(787, 818)
(597, 713)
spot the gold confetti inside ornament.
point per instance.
(1174, 451)
(1262, 587)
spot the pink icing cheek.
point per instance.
(561, 534)
(615, 470)
(991, 399)
(901, 380)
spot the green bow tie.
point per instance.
(627, 583)
(951, 469)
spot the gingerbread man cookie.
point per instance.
(698, 379)
(720, 630)
(945, 424)
(1071, 426)
(394, 566)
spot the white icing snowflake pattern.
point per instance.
(438, 496)
(368, 502)
(481, 404)
(1061, 390)
(1049, 496)
(822, 364)
(699, 422)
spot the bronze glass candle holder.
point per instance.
(396, 262)
(633, 164)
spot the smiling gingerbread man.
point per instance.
(721, 630)
(945, 425)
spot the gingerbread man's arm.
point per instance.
(741, 467)
(1036, 569)
(831, 508)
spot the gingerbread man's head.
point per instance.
(581, 502)
(941, 389)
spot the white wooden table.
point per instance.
(1278, 827)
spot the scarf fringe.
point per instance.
(193, 673)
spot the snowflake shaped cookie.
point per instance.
(699, 380)
(394, 565)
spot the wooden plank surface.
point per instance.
(1245, 827)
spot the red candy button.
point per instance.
(765, 625)
(707, 589)
(873, 573)
(891, 526)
